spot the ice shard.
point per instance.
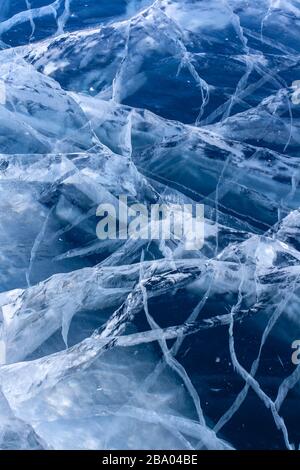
(128, 341)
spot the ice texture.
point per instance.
(141, 344)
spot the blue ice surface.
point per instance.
(142, 344)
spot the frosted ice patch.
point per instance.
(52, 67)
